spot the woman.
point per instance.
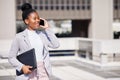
(33, 38)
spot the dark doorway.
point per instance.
(80, 28)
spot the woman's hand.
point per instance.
(45, 24)
(26, 69)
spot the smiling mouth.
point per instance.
(37, 24)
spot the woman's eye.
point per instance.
(34, 18)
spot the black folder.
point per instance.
(27, 58)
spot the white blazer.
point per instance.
(21, 44)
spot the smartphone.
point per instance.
(42, 22)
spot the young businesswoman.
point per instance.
(30, 38)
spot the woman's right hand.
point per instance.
(26, 69)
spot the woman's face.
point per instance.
(33, 21)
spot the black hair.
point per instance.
(26, 10)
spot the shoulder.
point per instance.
(21, 34)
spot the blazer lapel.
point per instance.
(44, 45)
(26, 39)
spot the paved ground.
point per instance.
(65, 70)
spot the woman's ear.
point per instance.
(26, 21)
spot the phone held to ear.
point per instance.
(42, 22)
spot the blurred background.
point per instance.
(88, 32)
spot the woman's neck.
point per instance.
(29, 28)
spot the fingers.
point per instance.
(43, 19)
(29, 66)
(26, 69)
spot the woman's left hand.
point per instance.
(45, 24)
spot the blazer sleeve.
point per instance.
(52, 40)
(13, 53)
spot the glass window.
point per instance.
(30, 1)
(62, 1)
(88, 1)
(46, 2)
(78, 1)
(35, 2)
(83, 7)
(62, 7)
(73, 7)
(57, 7)
(83, 2)
(57, 1)
(41, 1)
(115, 1)
(115, 7)
(46, 7)
(51, 7)
(41, 7)
(68, 7)
(51, 1)
(78, 7)
(24, 1)
(62, 28)
(35, 7)
(88, 7)
(115, 4)
(67, 1)
(18, 2)
(73, 2)
(18, 8)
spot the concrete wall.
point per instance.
(102, 19)
(101, 24)
(7, 19)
